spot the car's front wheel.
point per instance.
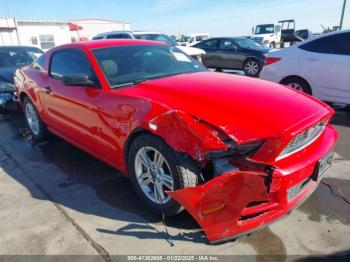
(33, 120)
(251, 67)
(155, 168)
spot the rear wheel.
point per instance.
(297, 83)
(33, 120)
(251, 67)
(155, 168)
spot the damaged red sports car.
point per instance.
(237, 153)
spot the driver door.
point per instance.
(230, 55)
(73, 110)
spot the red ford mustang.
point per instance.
(237, 153)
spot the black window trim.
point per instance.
(96, 80)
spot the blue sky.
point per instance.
(218, 17)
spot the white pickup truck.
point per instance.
(277, 35)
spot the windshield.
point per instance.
(247, 43)
(127, 65)
(156, 37)
(18, 57)
(265, 29)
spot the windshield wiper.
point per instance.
(131, 83)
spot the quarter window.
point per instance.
(39, 63)
(69, 62)
(334, 44)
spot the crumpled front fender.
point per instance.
(219, 205)
(186, 134)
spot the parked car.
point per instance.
(319, 67)
(11, 58)
(150, 35)
(237, 153)
(193, 39)
(236, 53)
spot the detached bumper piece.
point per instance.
(237, 203)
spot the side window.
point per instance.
(334, 44)
(69, 62)
(213, 43)
(226, 44)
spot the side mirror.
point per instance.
(77, 80)
(234, 48)
(253, 30)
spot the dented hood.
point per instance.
(244, 108)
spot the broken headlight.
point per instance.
(237, 151)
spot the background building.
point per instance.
(47, 34)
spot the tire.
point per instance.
(183, 172)
(272, 45)
(251, 67)
(297, 83)
(31, 115)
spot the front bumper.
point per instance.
(239, 202)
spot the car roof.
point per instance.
(94, 44)
(113, 32)
(322, 35)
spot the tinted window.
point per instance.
(213, 43)
(227, 44)
(69, 62)
(126, 64)
(118, 36)
(97, 38)
(338, 44)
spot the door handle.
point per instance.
(47, 90)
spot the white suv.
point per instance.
(319, 66)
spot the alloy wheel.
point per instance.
(153, 174)
(252, 68)
(32, 118)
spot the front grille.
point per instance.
(303, 139)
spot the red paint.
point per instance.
(100, 121)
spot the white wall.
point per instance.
(32, 32)
(28, 31)
(92, 27)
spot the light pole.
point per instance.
(342, 16)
